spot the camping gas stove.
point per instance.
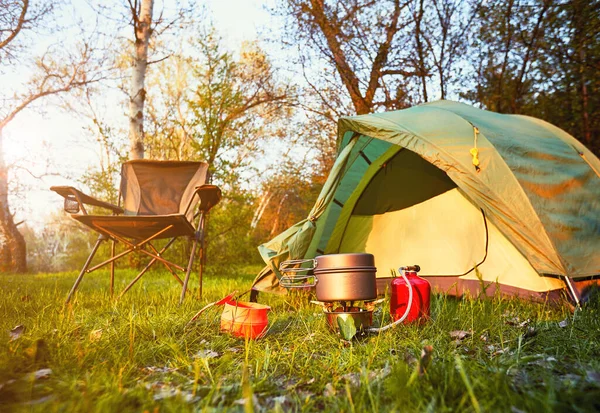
(359, 311)
(344, 284)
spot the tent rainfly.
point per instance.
(479, 200)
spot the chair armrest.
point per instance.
(209, 195)
(74, 194)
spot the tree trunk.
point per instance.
(579, 21)
(587, 135)
(420, 52)
(142, 27)
(13, 257)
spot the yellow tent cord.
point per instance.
(474, 151)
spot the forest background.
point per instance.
(262, 112)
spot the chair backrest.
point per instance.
(161, 187)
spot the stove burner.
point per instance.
(360, 311)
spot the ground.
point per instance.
(135, 354)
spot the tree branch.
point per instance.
(17, 29)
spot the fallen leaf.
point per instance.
(311, 381)
(514, 321)
(329, 390)
(243, 401)
(426, 355)
(564, 323)
(379, 374)
(95, 335)
(353, 379)
(525, 323)
(498, 352)
(165, 369)
(165, 392)
(206, 354)
(16, 332)
(279, 399)
(460, 334)
(42, 374)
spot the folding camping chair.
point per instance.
(160, 199)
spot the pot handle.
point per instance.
(298, 281)
(294, 280)
(285, 266)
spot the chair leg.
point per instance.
(173, 273)
(85, 267)
(188, 272)
(112, 268)
(254, 296)
(200, 270)
(136, 279)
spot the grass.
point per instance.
(135, 354)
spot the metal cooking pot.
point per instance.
(336, 277)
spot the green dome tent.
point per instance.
(469, 195)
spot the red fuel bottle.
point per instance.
(419, 310)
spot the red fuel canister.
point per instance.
(419, 310)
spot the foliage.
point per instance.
(61, 245)
(221, 110)
(228, 232)
(217, 108)
(359, 42)
(136, 354)
(540, 58)
(287, 198)
(534, 57)
(55, 72)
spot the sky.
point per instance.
(46, 135)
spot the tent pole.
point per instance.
(573, 293)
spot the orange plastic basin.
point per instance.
(248, 320)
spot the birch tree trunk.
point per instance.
(142, 22)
